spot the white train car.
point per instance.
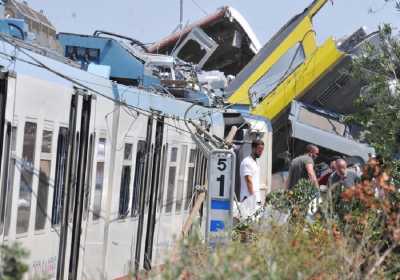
(97, 179)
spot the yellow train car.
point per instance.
(291, 66)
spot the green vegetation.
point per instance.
(378, 107)
(353, 233)
(12, 265)
(364, 244)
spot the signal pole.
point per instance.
(181, 15)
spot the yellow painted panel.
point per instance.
(316, 7)
(302, 33)
(300, 81)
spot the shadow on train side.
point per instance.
(291, 66)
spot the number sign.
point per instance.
(221, 181)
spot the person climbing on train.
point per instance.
(250, 176)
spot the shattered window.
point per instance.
(321, 122)
(192, 52)
(277, 74)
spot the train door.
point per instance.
(77, 167)
(154, 190)
(6, 106)
(143, 192)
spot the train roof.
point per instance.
(26, 61)
(238, 39)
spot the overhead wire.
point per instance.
(127, 107)
(199, 7)
(75, 81)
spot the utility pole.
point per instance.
(181, 15)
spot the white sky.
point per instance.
(150, 20)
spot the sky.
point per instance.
(150, 20)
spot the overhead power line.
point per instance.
(199, 7)
(36, 62)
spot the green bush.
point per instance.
(360, 243)
(12, 265)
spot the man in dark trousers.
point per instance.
(302, 167)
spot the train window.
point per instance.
(44, 181)
(139, 176)
(128, 152)
(73, 186)
(192, 52)
(27, 168)
(101, 149)
(162, 177)
(192, 156)
(190, 179)
(204, 171)
(149, 176)
(181, 178)
(174, 154)
(98, 191)
(42, 194)
(88, 180)
(16, 31)
(278, 72)
(86, 55)
(189, 188)
(4, 186)
(46, 141)
(197, 168)
(323, 122)
(62, 153)
(170, 190)
(10, 184)
(124, 192)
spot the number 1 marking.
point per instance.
(221, 180)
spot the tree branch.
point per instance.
(380, 261)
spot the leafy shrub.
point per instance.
(12, 266)
(360, 243)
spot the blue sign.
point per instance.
(217, 225)
(220, 204)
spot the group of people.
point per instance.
(301, 167)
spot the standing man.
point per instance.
(250, 173)
(302, 167)
(340, 180)
(323, 180)
(343, 176)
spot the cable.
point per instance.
(72, 80)
(38, 63)
(199, 7)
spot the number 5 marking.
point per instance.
(221, 164)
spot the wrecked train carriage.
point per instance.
(291, 66)
(222, 41)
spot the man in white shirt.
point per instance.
(250, 174)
